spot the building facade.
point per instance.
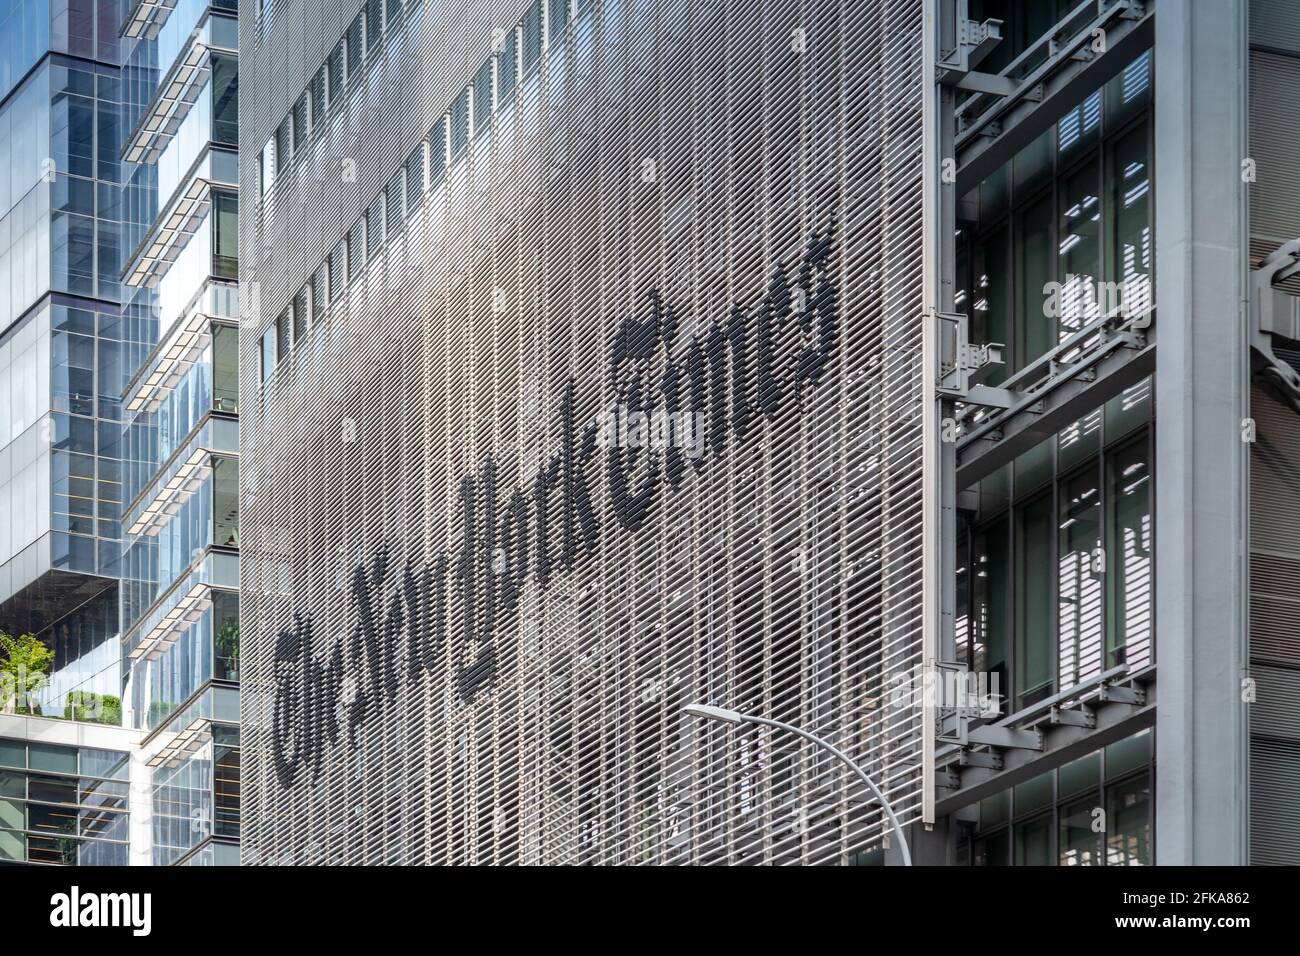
(603, 358)
(180, 525)
(118, 514)
(65, 356)
(1124, 226)
(518, 490)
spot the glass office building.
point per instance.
(1116, 470)
(63, 805)
(64, 352)
(180, 554)
(68, 755)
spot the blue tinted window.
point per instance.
(459, 123)
(268, 352)
(72, 253)
(532, 35)
(72, 134)
(374, 25)
(507, 65)
(437, 150)
(24, 38)
(558, 18)
(483, 97)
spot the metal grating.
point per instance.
(721, 203)
(1274, 206)
(1274, 648)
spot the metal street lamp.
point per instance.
(709, 712)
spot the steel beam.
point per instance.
(1061, 744)
(1052, 410)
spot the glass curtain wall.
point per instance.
(1095, 811)
(1061, 236)
(1054, 570)
(63, 805)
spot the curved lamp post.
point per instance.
(709, 712)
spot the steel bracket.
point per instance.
(987, 759)
(1074, 717)
(1116, 694)
(1006, 737)
(975, 41)
(1275, 313)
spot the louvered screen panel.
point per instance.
(1274, 25)
(470, 620)
(1274, 645)
(1274, 201)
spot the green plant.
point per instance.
(67, 848)
(227, 649)
(22, 671)
(96, 708)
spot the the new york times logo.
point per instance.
(76, 909)
(676, 406)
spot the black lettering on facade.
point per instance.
(500, 548)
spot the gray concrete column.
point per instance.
(1201, 461)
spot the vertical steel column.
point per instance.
(939, 457)
(1202, 387)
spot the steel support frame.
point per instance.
(939, 502)
(1201, 478)
(1050, 90)
(1060, 742)
(1275, 315)
(1045, 95)
(1202, 400)
(1041, 413)
(1120, 353)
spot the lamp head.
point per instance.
(709, 712)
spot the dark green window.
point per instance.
(334, 73)
(300, 120)
(1080, 834)
(1035, 263)
(225, 100)
(320, 283)
(225, 502)
(1034, 638)
(1080, 569)
(990, 619)
(225, 235)
(1128, 554)
(225, 368)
